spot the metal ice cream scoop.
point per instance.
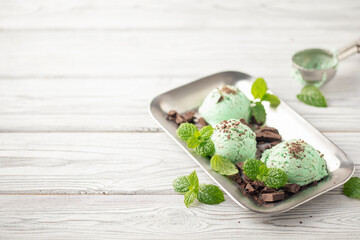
(317, 66)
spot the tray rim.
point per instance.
(304, 121)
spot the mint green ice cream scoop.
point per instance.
(299, 160)
(225, 103)
(234, 140)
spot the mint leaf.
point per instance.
(263, 172)
(352, 188)
(251, 168)
(275, 178)
(311, 95)
(259, 88)
(206, 132)
(272, 99)
(193, 142)
(258, 112)
(223, 165)
(207, 148)
(210, 194)
(190, 197)
(186, 130)
(181, 184)
(193, 180)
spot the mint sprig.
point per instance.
(198, 140)
(271, 177)
(352, 188)
(312, 96)
(205, 193)
(223, 165)
(258, 90)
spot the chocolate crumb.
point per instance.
(220, 99)
(300, 222)
(227, 90)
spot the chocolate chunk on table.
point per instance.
(273, 197)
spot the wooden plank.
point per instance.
(141, 14)
(104, 163)
(166, 217)
(158, 53)
(84, 105)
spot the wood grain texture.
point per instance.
(111, 104)
(104, 163)
(165, 217)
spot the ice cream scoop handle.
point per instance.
(348, 50)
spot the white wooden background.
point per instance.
(80, 157)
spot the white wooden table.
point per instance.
(80, 157)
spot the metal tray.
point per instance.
(289, 123)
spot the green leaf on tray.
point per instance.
(206, 132)
(272, 99)
(251, 168)
(275, 178)
(205, 149)
(193, 142)
(210, 194)
(186, 130)
(223, 165)
(311, 95)
(352, 188)
(258, 112)
(259, 88)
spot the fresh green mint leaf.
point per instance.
(193, 142)
(186, 130)
(206, 132)
(193, 180)
(263, 172)
(311, 95)
(223, 165)
(259, 88)
(190, 197)
(251, 168)
(272, 99)
(352, 188)
(181, 184)
(258, 112)
(276, 178)
(210, 194)
(206, 148)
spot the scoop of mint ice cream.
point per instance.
(225, 103)
(299, 160)
(234, 140)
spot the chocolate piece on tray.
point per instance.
(273, 197)
(292, 188)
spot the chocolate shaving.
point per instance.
(264, 135)
(220, 99)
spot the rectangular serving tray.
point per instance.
(289, 123)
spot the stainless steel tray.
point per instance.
(289, 123)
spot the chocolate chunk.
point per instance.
(220, 99)
(269, 129)
(227, 90)
(249, 189)
(247, 179)
(243, 121)
(258, 185)
(189, 116)
(267, 190)
(273, 197)
(236, 177)
(267, 136)
(240, 165)
(292, 188)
